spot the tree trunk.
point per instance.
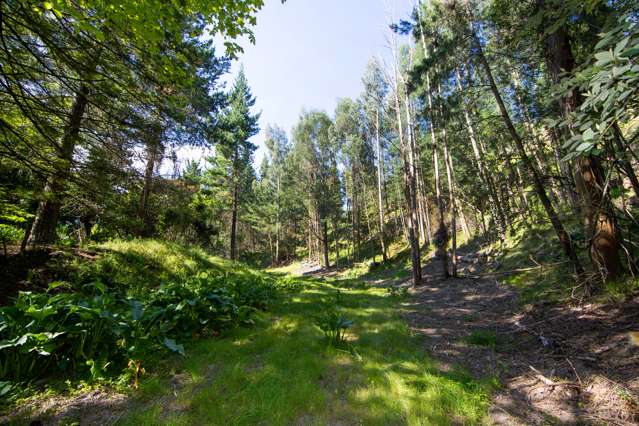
(380, 184)
(153, 152)
(484, 176)
(563, 236)
(624, 161)
(233, 249)
(441, 235)
(453, 210)
(325, 243)
(599, 217)
(604, 245)
(408, 160)
(43, 230)
(277, 221)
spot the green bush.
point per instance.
(95, 329)
(9, 234)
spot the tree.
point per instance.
(278, 147)
(375, 90)
(236, 126)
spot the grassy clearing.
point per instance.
(280, 369)
(283, 372)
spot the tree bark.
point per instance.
(233, 248)
(599, 217)
(325, 243)
(380, 185)
(43, 230)
(453, 210)
(604, 244)
(484, 176)
(153, 152)
(624, 161)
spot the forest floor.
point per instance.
(455, 351)
(557, 363)
(281, 370)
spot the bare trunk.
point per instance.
(484, 176)
(625, 165)
(453, 210)
(599, 216)
(277, 221)
(325, 243)
(233, 253)
(43, 230)
(604, 245)
(380, 185)
(153, 153)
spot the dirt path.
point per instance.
(558, 365)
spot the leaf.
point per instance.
(5, 387)
(137, 310)
(621, 45)
(47, 5)
(605, 41)
(588, 135)
(173, 346)
(604, 58)
(584, 146)
(629, 53)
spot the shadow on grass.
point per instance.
(282, 371)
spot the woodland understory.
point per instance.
(459, 244)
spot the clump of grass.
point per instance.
(482, 338)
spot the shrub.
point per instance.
(96, 329)
(9, 234)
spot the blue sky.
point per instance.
(309, 53)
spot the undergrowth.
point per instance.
(134, 301)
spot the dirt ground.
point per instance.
(556, 364)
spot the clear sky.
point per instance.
(309, 53)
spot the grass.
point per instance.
(482, 338)
(550, 278)
(282, 371)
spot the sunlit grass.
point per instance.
(283, 372)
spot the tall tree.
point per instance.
(236, 126)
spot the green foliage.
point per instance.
(334, 326)
(91, 329)
(290, 284)
(400, 291)
(332, 322)
(280, 372)
(10, 233)
(482, 338)
(610, 82)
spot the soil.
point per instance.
(558, 364)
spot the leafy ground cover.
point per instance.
(284, 371)
(134, 301)
(278, 366)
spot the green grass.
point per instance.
(482, 338)
(283, 372)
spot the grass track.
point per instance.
(282, 372)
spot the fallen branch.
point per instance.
(539, 375)
(512, 271)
